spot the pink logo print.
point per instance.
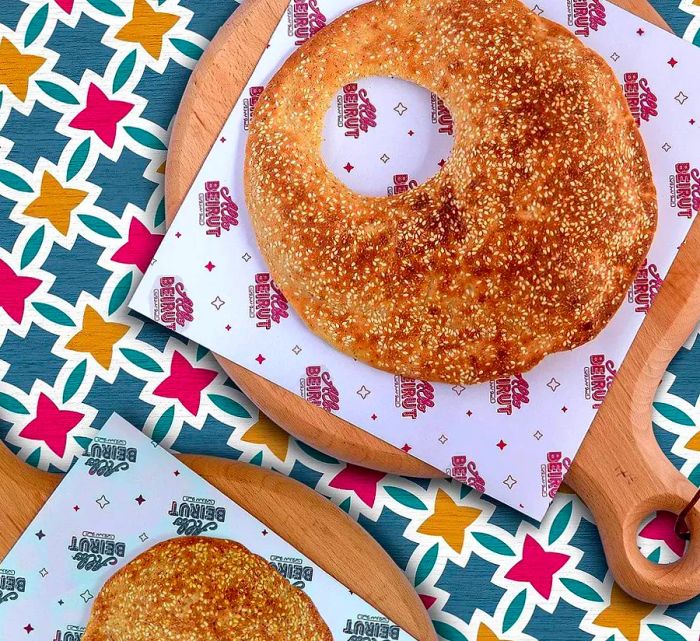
(465, 471)
(267, 302)
(586, 16)
(318, 389)
(401, 184)
(413, 396)
(356, 111)
(510, 393)
(440, 115)
(645, 287)
(249, 102)
(172, 306)
(598, 377)
(642, 101)
(553, 472)
(216, 208)
(305, 20)
(685, 190)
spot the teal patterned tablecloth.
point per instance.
(88, 90)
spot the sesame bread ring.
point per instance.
(526, 241)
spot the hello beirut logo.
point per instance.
(71, 633)
(304, 19)
(11, 586)
(645, 287)
(317, 387)
(217, 211)
(93, 551)
(107, 456)
(553, 472)
(401, 183)
(171, 306)
(598, 376)
(249, 104)
(464, 471)
(267, 303)
(413, 396)
(510, 393)
(367, 627)
(356, 113)
(194, 516)
(685, 189)
(586, 16)
(440, 115)
(293, 569)
(642, 101)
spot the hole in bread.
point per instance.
(657, 540)
(383, 136)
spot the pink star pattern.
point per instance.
(537, 567)
(101, 115)
(406, 448)
(66, 5)
(360, 480)
(185, 383)
(51, 425)
(427, 600)
(260, 358)
(673, 62)
(14, 291)
(662, 528)
(209, 266)
(139, 248)
(348, 167)
(501, 445)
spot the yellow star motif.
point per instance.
(55, 203)
(97, 337)
(486, 634)
(624, 613)
(449, 521)
(265, 432)
(147, 27)
(16, 68)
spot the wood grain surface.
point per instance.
(620, 471)
(317, 528)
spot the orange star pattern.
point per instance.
(55, 203)
(147, 27)
(97, 337)
(17, 68)
(449, 521)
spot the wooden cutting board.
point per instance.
(317, 528)
(620, 472)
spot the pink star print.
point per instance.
(51, 425)
(139, 248)
(537, 566)
(185, 383)
(360, 480)
(427, 600)
(662, 528)
(101, 115)
(66, 5)
(14, 291)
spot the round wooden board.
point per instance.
(317, 528)
(213, 89)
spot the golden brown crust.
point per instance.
(523, 244)
(205, 589)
